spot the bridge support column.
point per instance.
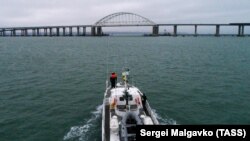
(70, 31)
(25, 32)
(175, 30)
(241, 30)
(45, 32)
(22, 32)
(4, 32)
(155, 30)
(99, 31)
(195, 30)
(33, 32)
(63, 31)
(83, 31)
(13, 32)
(217, 32)
(93, 33)
(50, 31)
(78, 31)
(37, 32)
(57, 31)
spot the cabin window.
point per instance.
(133, 107)
(130, 98)
(121, 107)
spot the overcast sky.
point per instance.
(74, 12)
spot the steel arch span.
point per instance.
(124, 19)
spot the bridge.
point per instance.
(121, 19)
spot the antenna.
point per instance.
(107, 65)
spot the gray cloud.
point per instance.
(66, 12)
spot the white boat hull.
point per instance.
(123, 108)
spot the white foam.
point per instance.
(82, 130)
(164, 121)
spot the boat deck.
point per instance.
(111, 112)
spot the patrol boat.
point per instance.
(124, 107)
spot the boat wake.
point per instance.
(164, 121)
(81, 133)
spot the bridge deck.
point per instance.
(96, 30)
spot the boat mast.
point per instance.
(125, 77)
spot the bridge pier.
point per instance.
(241, 30)
(33, 32)
(23, 32)
(78, 31)
(26, 32)
(37, 32)
(195, 30)
(83, 31)
(155, 30)
(175, 30)
(57, 31)
(50, 31)
(93, 33)
(70, 31)
(4, 32)
(64, 31)
(13, 32)
(99, 31)
(45, 32)
(217, 32)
